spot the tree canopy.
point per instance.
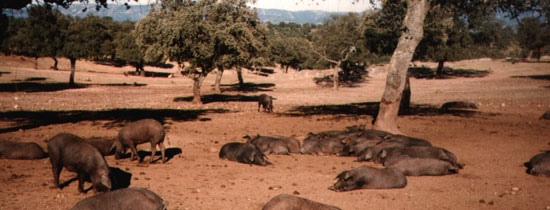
(205, 33)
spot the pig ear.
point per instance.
(382, 153)
(347, 175)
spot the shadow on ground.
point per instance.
(448, 73)
(34, 119)
(37, 87)
(169, 153)
(371, 108)
(31, 87)
(119, 179)
(247, 87)
(542, 76)
(219, 98)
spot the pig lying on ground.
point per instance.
(77, 155)
(138, 132)
(275, 145)
(123, 199)
(389, 155)
(367, 177)
(423, 166)
(243, 153)
(321, 144)
(21, 150)
(539, 165)
(371, 153)
(289, 202)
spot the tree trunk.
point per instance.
(218, 80)
(73, 67)
(197, 88)
(55, 63)
(35, 62)
(240, 77)
(397, 73)
(286, 69)
(439, 71)
(335, 76)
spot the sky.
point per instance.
(296, 5)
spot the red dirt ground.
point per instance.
(492, 142)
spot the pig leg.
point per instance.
(81, 179)
(56, 169)
(134, 152)
(153, 151)
(162, 150)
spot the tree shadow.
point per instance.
(540, 76)
(30, 79)
(372, 108)
(247, 87)
(150, 74)
(34, 119)
(170, 153)
(262, 71)
(447, 73)
(119, 179)
(31, 87)
(219, 98)
(135, 84)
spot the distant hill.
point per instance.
(136, 12)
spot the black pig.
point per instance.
(21, 150)
(322, 144)
(104, 145)
(77, 155)
(367, 177)
(275, 145)
(123, 199)
(289, 202)
(138, 132)
(266, 102)
(243, 153)
(423, 166)
(539, 165)
(388, 155)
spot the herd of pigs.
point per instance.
(400, 155)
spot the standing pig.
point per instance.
(138, 132)
(21, 150)
(243, 153)
(366, 177)
(289, 202)
(266, 102)
(539, 165)
(104, 145)
(123, 199)
(423, 166)
(77, 155)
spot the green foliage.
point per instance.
(382, 29)
(206, 33)
(290, 52)
(37, 36)
(338, 37)
(85, 38)
(533, 36)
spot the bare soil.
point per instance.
(492, 141)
